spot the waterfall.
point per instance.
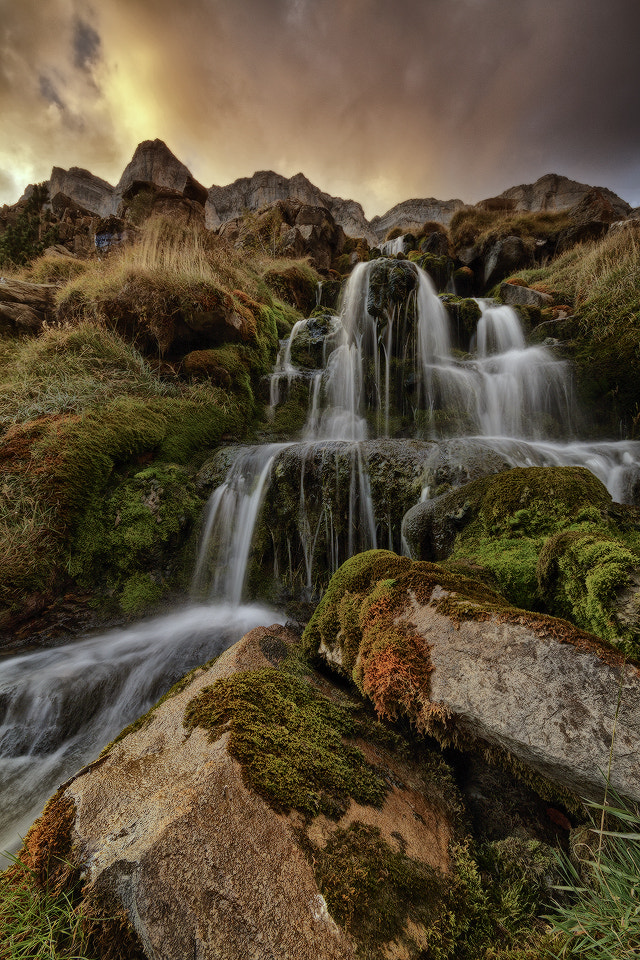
(389, 394)
(388, 370)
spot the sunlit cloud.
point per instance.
(370, 100)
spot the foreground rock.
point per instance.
(465, 666)
(236, 818)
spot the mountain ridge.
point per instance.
(154, 164)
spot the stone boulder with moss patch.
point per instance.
(464, 665)
(258, 807)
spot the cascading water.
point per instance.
(59, 707)
(284, 516)
(387, 369)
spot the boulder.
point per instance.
(516, 295)
(460, 663)
(504, 257)
(212, 826)
(549, 538)
(24, 307)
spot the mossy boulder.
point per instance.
(462, 664)
(255, 772)
(439, 267)
(390, 284)
(504, 524)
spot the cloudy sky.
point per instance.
(376, 100)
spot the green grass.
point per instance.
(599, 917)
(70, 369)
(36, 923)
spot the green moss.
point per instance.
(356, 576)
(581, 574)
(373, 891)
(139, 593)
(128, 541)
(291, 741)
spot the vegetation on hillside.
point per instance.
(599, 285)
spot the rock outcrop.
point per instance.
(266, 187)
(554, 192)
(462, 664)
(198, 845)
(85, 189)
(24, 307)
(410, 215)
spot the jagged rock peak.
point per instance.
(555, 192)
(154, 163)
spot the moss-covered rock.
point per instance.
(130, 542)
(502, 525)
(455, 658)
(296, 284)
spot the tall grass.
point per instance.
(68, 369)
(37, 924)
(602, 919)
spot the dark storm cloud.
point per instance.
(49, 92)
(372, 100)
(86, 45)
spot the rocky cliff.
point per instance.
(554, 192)
(154, 167)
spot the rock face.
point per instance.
(266, 187)
(462, 664)
(90, 192)
(410, 215)
(24, 307)
(169, 826)
(554, 192)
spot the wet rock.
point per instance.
(462, 664)
(390, 284)
(514, 295)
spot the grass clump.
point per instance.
(38, 923)
(291, 741)
(599, 917)
(70, 369)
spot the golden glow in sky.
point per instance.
(373, 101)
